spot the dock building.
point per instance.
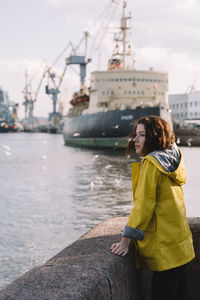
(185, 106)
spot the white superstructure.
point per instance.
(121, 89)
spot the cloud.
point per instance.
(165, 35)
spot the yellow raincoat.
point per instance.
(159, 216)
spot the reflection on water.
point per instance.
(51, 194)
(103, 189)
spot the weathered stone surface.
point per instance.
(87, 271)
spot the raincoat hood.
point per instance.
(170, 162)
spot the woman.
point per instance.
(158, 219)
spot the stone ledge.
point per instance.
(86, 270)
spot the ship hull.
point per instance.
(107, 129)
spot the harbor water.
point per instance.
(51, 194)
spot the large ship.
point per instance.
(103, 115)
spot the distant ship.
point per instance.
(8, 114)
(104, 114)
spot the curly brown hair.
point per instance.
(159, 135)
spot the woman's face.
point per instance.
(139, 138)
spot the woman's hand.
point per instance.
(122, 247)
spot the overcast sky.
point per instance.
(165, 35)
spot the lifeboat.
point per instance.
(79, 99)
(114, 64)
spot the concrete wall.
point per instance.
(87, 271)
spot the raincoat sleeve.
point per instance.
(141, 217)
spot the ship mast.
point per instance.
(124, 28)
(125, 49)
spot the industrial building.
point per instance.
(185, 106)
